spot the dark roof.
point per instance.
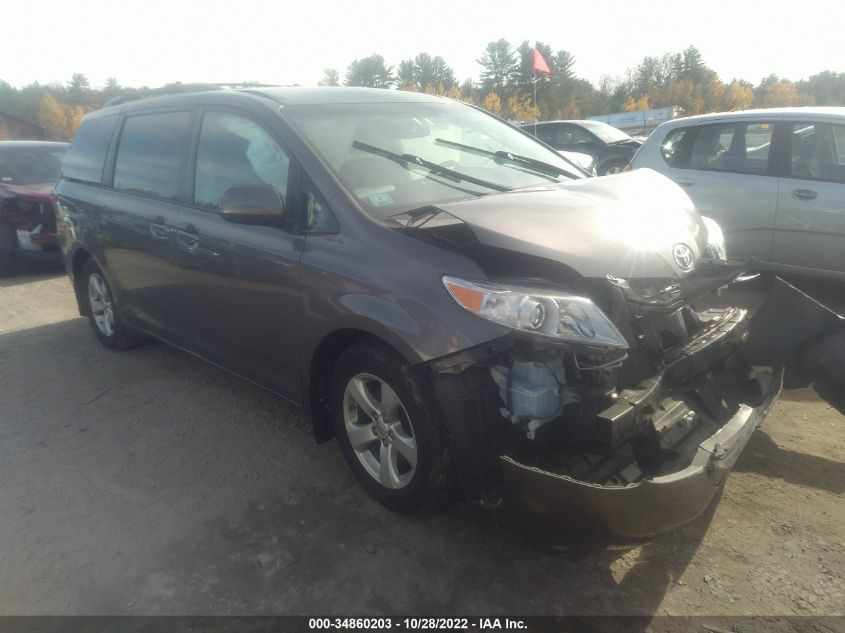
(288, 96)
(335, 94)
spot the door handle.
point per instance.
(804, 194)
(684, 182)
(188, 236)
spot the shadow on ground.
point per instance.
(31, 274)
(150, 482)
(765, 457)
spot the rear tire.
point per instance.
(103, 313)
(389, 428)
(8, 246)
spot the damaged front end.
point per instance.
(625, 440)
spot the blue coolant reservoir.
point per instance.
(531, 390)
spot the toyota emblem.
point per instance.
(684, 257)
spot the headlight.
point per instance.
(715, 250)
(563, 317)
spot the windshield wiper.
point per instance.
(406, 160)
(545, 169)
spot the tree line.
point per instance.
(506, 86)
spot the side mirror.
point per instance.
(252, 204)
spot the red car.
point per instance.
(28, 172)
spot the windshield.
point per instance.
(388, 154)
(28, 165)
(606, 132)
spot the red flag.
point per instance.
(540, 64)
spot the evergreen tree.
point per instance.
(499, 67)
(370, 72)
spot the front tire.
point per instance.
(389, 428)
(102, 310)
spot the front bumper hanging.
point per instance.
(642, 509)
(682, 411)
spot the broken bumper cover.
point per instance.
(638, 510)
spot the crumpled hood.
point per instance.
(38, 191)
(625, 226)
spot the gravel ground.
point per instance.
(147, 482)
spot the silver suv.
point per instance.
(773, 179)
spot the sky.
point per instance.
(291, 42)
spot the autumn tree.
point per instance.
(522, 108)
(492, 103)
(635, 105)
(370, 72)
(73, 120)
(781, 94)
(737, 95)
(52, 118)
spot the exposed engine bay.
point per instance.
(579, 432)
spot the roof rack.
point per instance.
(180, 88)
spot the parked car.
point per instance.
(773, 179)
(610, 147)
(440, 291)
(584, 161)
(28, 172)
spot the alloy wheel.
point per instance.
(99, 299)
(379, 431)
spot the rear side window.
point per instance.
(84, 161)
(572, 135)
(676, 147)
(818, 151)
(547, 134)
(741, 148)
(151, 154)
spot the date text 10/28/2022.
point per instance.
(418, 624)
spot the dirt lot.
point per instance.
(147, 482)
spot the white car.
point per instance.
(773, 179)
(584, 161)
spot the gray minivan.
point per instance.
(440, 291)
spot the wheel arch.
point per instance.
(320, 366)
(77, 263)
